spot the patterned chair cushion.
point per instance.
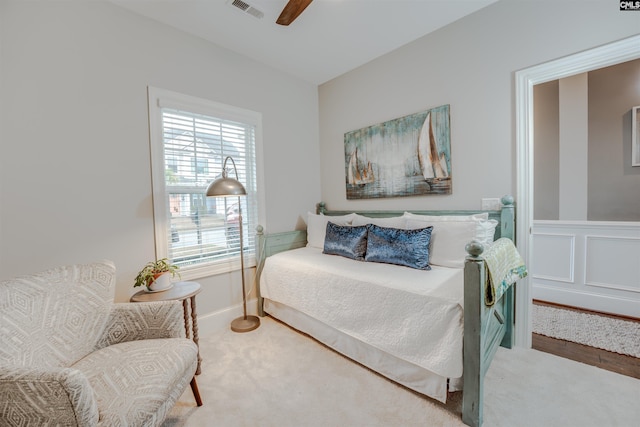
(46, 396)
(138, 382)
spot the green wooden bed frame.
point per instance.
(485, 328)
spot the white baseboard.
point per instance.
(586, 300)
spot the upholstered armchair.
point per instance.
(70, 356)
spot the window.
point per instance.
(190, 138)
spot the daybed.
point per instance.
(69, 356)
(428, 326)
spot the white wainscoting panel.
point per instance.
(622, 258)
(590, 264)
(554, 256)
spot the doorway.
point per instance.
(611, 54)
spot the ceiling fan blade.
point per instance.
(292, 10)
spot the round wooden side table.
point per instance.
(180, 291)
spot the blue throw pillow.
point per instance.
(346, 241)
(396, 246)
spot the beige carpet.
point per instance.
(617, 335)
(275, 376)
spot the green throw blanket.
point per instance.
(504, 266)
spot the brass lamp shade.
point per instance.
(225, 186)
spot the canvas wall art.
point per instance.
(408, 156)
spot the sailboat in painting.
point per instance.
(357, 175)
(432, 164)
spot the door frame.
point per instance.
(603, 56)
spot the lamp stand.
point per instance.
(247, 324)
(244, 323)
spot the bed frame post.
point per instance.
(473, 358)
(510, 319)
(507, 229)
(481, 336)
(508, 218)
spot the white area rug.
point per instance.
(616, 335)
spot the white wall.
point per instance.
(470, 65)
(74, 168)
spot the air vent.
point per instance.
(247, 8)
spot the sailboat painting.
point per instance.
(408, 156)
(357, 175)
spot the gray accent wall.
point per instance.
(614, 185)
(546, 151)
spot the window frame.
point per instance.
(162, 98)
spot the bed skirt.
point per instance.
(394, 368)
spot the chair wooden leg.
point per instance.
(196, 392)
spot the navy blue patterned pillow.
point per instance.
(346, 241)
(396, 246)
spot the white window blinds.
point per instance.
(189, 145)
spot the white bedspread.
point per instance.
(412, 314)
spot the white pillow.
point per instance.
(317, 227)
(448, 240)
(474, 217)
(391, 222)
(485, 230)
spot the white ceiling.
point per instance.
(328, 39)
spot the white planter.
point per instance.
(161, 283)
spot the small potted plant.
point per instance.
(156, 275)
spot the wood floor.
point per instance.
(620, 363)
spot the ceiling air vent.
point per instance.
(245, 7)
